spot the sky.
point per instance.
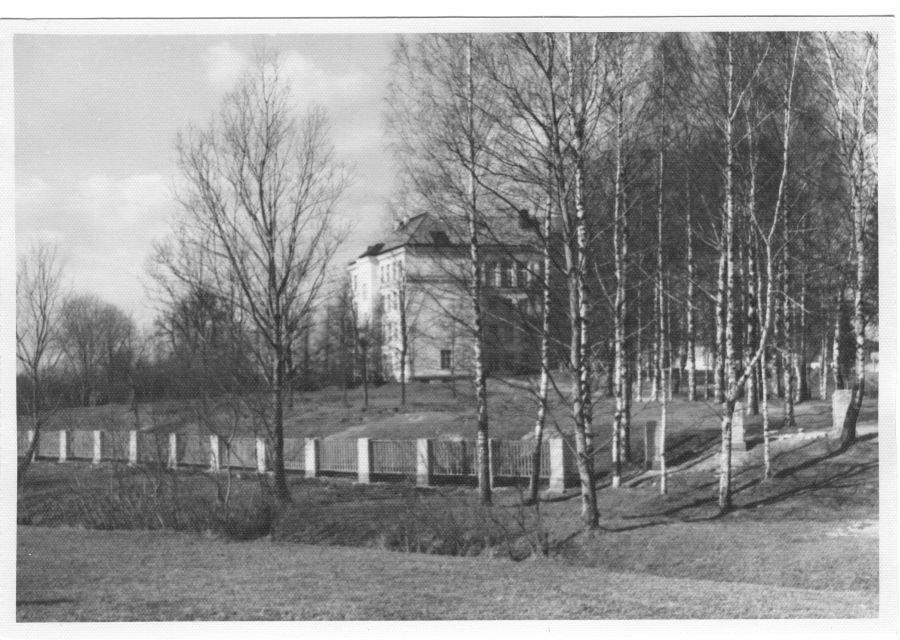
(96, 117)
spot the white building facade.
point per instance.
(415, 284)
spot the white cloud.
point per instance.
(104, 224)
(310, 83)
(224, 65)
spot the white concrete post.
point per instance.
(840, 405)
(559, 456)
(364, 460)
(63, 445)
(214, 451)
(424, 461)
(311, 458)
(30, 440)
(649, 444)
(173, 450)
(261, 455)
(493, 459)
(98, 446)
(132, 447)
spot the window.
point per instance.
(521, 274)
(506, 274)
(446, 359)
(489, 268)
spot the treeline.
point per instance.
(694, 193)
(195, 349)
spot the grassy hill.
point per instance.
(432, 411)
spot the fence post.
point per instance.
(311, 458)
(653, 442)
(493, 460)
(63, 445)
(364, 460)
(261, 466)
(173, 450)
(840, 406)
(214, 451)
(424, 461)
(559, 455)
(132, 447)
(98, 446)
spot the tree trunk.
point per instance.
(836, 365)
(543, 386)
(620, 249)
(639, 356)
(721, 303)
(787, 348)
(802, 369)
(480, 381)
(823, 364)
(728, 354)
(580, 361)
(848, 432)
(281, 488)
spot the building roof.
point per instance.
(428, 230)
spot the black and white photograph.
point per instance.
(483, 319)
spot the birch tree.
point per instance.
(850, 75)
(437, 115)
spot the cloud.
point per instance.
(104, 223)
(224, 65)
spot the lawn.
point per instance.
(433, 410)
(70, 574)
(813, 526)
(804, 543)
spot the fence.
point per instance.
(427, 460)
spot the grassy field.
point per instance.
(70, 574)
(804, 543)
(814, 526)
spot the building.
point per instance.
(414, 284)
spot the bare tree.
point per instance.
(259, 191)
(438, 117)
(851, 77)
(38, 301)
(94, 334)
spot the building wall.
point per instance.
(438, 312)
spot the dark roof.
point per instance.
(426, 229)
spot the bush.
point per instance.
(153, 497)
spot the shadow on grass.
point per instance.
(800, 473)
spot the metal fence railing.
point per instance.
(419, 459)
(396, 457)
(338, 456)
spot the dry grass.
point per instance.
(70, 574)
(799, 530)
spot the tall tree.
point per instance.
(38, 302)
(259, 190)
(851, 74)
(439, 115)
